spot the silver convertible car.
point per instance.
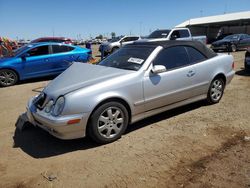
(137, 81)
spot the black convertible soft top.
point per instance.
(170, 43)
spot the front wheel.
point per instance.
(108, 122)
(233, 48)
(215, 91)
(7, 77)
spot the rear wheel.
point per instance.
(215, 91)
(108, 122)
(7, 77)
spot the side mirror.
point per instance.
(158, 69)
(23, 56)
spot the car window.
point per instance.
(159, 34)
(176, 33)
(194, 55)
(41, 50)
(184, 33)
(61, 48)
(172, 57)
(126, 39)
(133, 38)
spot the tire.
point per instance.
(108, 122)
(216, 90)
(8, 77)
(233, 48)
(114, 49)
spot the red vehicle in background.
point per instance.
(53, 39)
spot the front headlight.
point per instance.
(48, 106)
(59, 105)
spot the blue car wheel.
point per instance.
(7, 77)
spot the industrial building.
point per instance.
(213, 26)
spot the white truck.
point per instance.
(174, 34)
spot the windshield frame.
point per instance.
(142, 55)
(22, 50)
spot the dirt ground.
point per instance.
(192, 146)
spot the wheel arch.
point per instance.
(14, 70)
(221, 75)
(112, 99)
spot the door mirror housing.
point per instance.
(25, 55)
(158, 69)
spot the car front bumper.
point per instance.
(57, 126)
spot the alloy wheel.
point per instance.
(110, 122)
(216, 90)
(7, 78)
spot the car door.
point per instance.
(203, 70)
(62, 57)
(171, 86)
(37, 62)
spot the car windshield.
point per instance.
(232, 37)
(115, 39)
(128, 58)
(21, 49)
(159, 34)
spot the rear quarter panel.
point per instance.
(207, 70)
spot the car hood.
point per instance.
(80, 75)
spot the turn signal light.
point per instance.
(73, 121)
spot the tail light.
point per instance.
(233, 65)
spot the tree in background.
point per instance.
(99, 37)
(113, 35)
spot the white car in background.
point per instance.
(174, 34)
(116, 43)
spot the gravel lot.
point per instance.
(192, 146)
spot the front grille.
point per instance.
(39, 100)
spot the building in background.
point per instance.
(220, 25)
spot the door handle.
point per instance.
(46, 60)
(190, 73)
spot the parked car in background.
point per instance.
(115, 43)
(232, 43)
(222, 36)
(137, 81)
(174, 34)
(247, 60)
(53, 39)
(22, 42)
(39, 59)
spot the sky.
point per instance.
(30, 19)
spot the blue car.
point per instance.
(38, 60)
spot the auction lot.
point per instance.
(193, 146)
